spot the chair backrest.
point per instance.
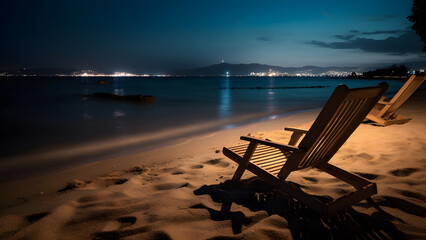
(341, 115)
(405, 92)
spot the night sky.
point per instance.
(157, 36)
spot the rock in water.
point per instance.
(138, 98)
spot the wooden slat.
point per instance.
(277, 166)
(271, 164)
(241, 149)
(259, 154)
(317, 143)
(267, 159)
(335, 131)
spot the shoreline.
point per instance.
(51, 181)
(72, 156)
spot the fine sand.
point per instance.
(176, 192)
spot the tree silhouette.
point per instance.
(418, 18)
(393, 70)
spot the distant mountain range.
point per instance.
(232, 69)
(42, 71)
(246, 69)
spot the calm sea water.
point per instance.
(52, 122)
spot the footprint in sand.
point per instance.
(402, 205)
(137, 170)
(171, 185)
(107, 181)
(126, 221)
(411, 194)
(35, 217)
(369, 176)
(102, 181)
(178, 172)
(311, 179)
(197, 166)
(218, 162)
(365, 156)
(119, 234)
(12, 226)
(117, 181)
(404, 172)
(87, 199)
(341, 191)
(74, 184)
(413, 183)
(332, 180)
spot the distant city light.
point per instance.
(91, 73)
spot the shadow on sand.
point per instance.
(303, 222)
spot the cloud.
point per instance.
(381, 18)
(344, 37)
(384, 32)
(354, 33)
(406, 43)
(265, 39)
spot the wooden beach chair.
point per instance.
(384, 113)
(273, 161)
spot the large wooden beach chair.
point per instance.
(384, 113)
(273, 161)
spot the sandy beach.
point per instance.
(176, 192)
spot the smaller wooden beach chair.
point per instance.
(384, 113)
(273, 161)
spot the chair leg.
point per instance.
(295, 138)
(226, 206)
(245, 161)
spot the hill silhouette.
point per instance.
(246, 69)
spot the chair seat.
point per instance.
(269, 159)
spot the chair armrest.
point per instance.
(269, 143)
(297, 134)
(384, 103)
(384, 100)
(296, 130)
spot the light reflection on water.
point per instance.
(118, 113)
(120, 122)
(270, 104)
(225, 99)
(119, 91)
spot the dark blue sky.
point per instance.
(157, 36)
